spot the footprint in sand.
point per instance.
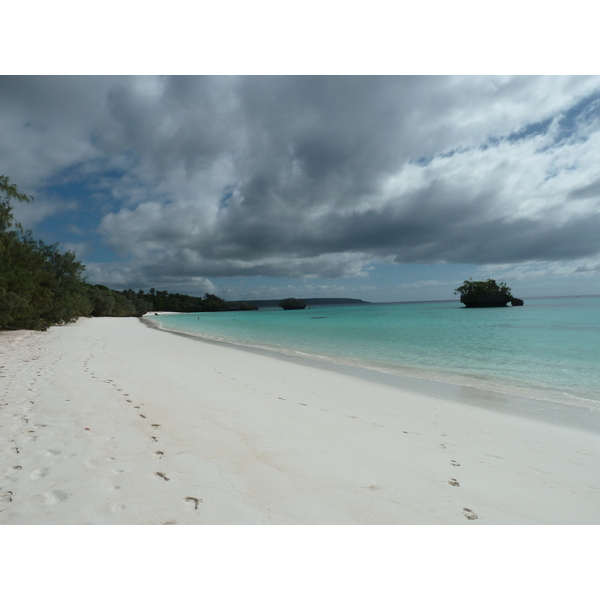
(143, 416)
(6, 497)
(162, 475)
(154, 438)
(39, 473)
(469, 514)
(51, 498)
(159, 453)
(454, 463)
(13, 470)
(453, 482)
(196, 501)
(155, 425)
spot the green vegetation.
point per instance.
(292, 304)
(474, 294)
(110, 303)
(40, 286)
(163, 300)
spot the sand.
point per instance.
(109, 421)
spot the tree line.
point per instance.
(163, 300)
(41, 286)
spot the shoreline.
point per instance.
(108, 421)
(579, 413)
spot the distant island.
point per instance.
(292, 304)
(309, 301)
(486, 294)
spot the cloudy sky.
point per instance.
(388, 188)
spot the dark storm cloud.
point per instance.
(591, 190)
(318, 176)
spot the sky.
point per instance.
(384, 188)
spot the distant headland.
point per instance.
(309, 301)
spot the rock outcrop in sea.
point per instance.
(486, 294)
(292, 304)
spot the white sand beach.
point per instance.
(108, 421)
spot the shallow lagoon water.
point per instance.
(548, 349)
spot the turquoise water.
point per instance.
(548, 349)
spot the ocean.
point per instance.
(548, 349)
